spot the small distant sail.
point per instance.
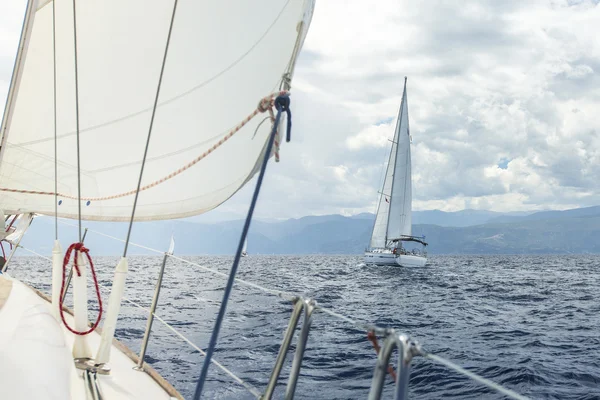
(171, 246)
(244, 252)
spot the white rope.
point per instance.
(112, 237)
(358, 324)
(239, 380)
(278, 293)
(475, 377)
(33, 252)
(274, 292)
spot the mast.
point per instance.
(397, 138)
(17, 72)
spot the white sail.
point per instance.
(378, 238)
(400, 214)
(223, 58)
(394, 215)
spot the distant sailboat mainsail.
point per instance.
(394, 213)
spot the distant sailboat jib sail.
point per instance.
(393, 220)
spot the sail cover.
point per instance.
(223, 58)
(394, 212)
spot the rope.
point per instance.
(475, 377)
(281, 103)
(112, 237)
(265, 105)
(279, 293)
(373, 338)
(79, 248)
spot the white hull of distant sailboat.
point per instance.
(402, 260)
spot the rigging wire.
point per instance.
(77, 119)
(162, 70)
(281, 104)
(55, 130)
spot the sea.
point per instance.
(529, 323)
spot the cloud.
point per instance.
(502, 96)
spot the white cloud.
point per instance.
(372, 136)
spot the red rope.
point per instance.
(373, 338)
(78, 247)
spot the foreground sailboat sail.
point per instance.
(219, 65)
(127, 111)
(393, 221)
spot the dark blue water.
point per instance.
(531, 323)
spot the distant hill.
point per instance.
(459, 218)
(554, 232)
(456, 218)
(544, 215)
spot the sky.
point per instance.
(503, 98)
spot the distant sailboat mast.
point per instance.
(393, 218)
(400, 214)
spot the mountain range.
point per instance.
(461, 232)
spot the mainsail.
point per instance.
(222, 60)
(394, 212)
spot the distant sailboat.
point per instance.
(393, 222)
(244, 252)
